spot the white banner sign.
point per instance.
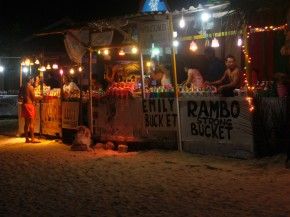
(70, 115)
(217, 122)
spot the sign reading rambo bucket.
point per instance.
(217, 126)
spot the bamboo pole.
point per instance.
(176, 89)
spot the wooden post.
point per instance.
(90, 93)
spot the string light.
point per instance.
(267, 28)
(106, 52)
(71, 71)
(48, 67)
(37, 62)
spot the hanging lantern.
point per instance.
(37, 62)
(42, 69)
(122, 52)
(148, 64)
(55, 66)
(215, 43)
(61, 72)
(193, 46)
(99, 52)
(182, 23)
(80, 69)
(48, 67)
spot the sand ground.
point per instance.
(48, 179)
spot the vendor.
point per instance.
(231, 78)
(69, 87)
(161, 77)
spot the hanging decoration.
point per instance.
(193, 46)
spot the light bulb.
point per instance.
(240, 42)
(205, 17)
(134, 50)
(182, 23)
(175, 43)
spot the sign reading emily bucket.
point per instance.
(160, 114)
(217, 120)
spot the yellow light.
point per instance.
(80, 69)
(55, 66)
(27, 62)
(148, 64)
(42, 69)
(106, 52)
(23, 63)
(71, 71)
(37, 62)
(48, 67)
(99, 52)
(134, 50)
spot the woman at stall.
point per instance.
(69, 87)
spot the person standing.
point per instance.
(212, 67)
(28, 111)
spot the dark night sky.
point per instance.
(20, 20)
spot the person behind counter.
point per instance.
(69, 87)
(213, 68)
(28, 111)
(230, 79)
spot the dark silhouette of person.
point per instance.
(215, 67)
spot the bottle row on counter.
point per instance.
(131, 89)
